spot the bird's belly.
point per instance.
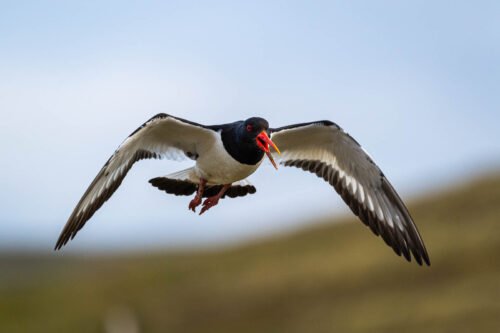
(218, 167)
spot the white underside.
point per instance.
(216, 166)
(189, 174)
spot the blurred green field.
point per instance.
(330, 278)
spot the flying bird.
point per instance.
(225, 155)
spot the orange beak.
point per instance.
(263, 142)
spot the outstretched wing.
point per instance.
(325, 149)
(161, 136)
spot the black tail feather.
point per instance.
(184, 187)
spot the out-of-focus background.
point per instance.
(417, 84)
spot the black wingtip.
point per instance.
(427, 260)
(65, 236)
(60, 243)
(421, 258)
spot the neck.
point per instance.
(245, 152)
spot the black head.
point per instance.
(247, 141)
(256, 136)
(252, 127)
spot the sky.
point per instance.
(416, 83)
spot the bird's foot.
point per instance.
(209, 203)
(195, 203)
(199, 194)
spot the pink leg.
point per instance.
(212, 201)
(199, 194)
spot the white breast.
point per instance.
(218, 167)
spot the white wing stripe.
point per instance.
(361, 194)
(161, 136)
(321, 146)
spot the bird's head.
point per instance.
(255, 131)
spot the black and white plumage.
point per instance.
(225, 155)
(325, 149)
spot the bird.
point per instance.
(225, 155)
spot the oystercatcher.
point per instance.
(225, 155)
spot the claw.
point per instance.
(194, 203)
(209, 203)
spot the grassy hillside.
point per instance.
(332, 278)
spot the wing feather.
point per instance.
(325, 149)
(162, 136)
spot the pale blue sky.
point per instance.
(417, 84)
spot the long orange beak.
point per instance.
(263, 142)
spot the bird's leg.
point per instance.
(199, 194)
(212, 201)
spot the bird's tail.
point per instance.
(183, 183)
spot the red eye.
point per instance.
(249, 128)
